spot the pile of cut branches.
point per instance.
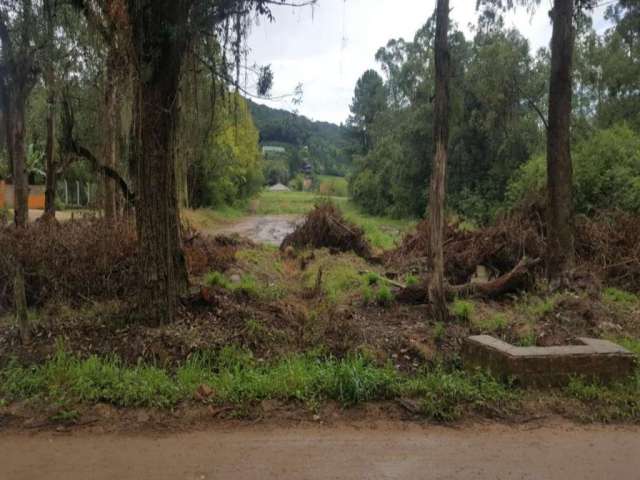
(326, 227)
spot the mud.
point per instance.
(378, 451)
(268, 229)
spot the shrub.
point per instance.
(384, 296)
(606, 172)
(462, 309)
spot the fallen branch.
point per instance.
(516, 279)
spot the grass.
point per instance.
(620, 297)
(384, 296)
(462, 309)
(493, 323)
(237, 379)
(382, 232)
(607, 403)
(248, 285)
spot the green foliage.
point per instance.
(621, 297)
(372, 278)
(216, 279)
(384, 296)
(231, 168)
(606, 172)
(462, 309)
(327, 147)
(608, 403)
(447, 396)
(439, 331)
(411, 280)
(493, 323)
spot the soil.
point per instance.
(268, 229)
(379, 450)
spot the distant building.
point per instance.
(278, 187)
(273, 150)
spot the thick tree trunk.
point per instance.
(560, 244)
(159, 56)
(438, 176)
(110, 134)
(18, 153)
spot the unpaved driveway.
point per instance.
(270, 229)
(388, 451)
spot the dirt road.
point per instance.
(270, 229)
(386, 451)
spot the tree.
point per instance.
(158, 34)
(439, 168)
(560, 230)
(18, 75)
(369, 99)
(50, 82)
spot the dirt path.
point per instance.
(387, 451)
(270, 229)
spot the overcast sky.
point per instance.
(328, 47)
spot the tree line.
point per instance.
(477, 119)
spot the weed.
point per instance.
(216, 279)
(411, 280)
(372, 278)
(367, 294)
(439, 331)
(493, 323)
(447, 395)
(462, 309)
(615, 402)
(621, 297)
(384, 296)
(536, 308)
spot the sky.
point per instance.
(326, 48)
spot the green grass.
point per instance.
(289, 203)
(462, 309)
(607, 403)
(382, 232)
(491, 324)
(384, 296)
(248, 285)
(237, 379)
(620, 297)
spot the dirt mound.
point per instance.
(606, 246)
(325, 227)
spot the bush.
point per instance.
(384, 296)
(462, 309)
(606, 173)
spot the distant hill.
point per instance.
(330, 146)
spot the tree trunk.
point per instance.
(19, 158)
(560, 243)
(159, 56)
(49, 77)
(438, 175)
(110, 134)
(20, 301)
(50, 161)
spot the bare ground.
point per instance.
(383, 450)
(269, 229)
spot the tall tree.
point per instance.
(369, 99)
(439, 167)
(158, 34)
(18, 76)
(560, 241)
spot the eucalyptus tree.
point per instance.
(436, 285)
(560, 210)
